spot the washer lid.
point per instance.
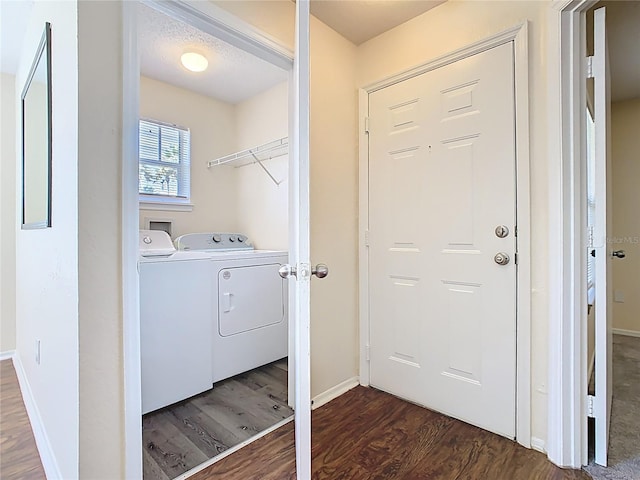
(154, 243)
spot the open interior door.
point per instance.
(299, 269)
(602, 231)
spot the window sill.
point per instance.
(166, 206)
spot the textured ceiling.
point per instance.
(361, 20)
(233, 74)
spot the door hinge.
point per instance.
(590, 67)
(516, 258)
(590, 400)
(367, 352)
(366, 124)
(366, 238)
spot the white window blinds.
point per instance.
(164, 163)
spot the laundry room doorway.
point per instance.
(219, 196)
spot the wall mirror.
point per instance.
(36, 139)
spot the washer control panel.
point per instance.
(154, 243)
(213, 241)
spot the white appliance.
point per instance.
(175, 321)
(250, 318)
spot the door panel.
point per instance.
(299, 245)
(441, 178)
(602, 231)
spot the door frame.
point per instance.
(220, 23)
(519, 36)
(567, 434)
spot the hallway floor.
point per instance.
(624, 440)
(367, 434)
(19, 458)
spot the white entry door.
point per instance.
(442, 240)
(602, 231)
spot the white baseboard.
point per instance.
(7, 355)
(538, 444)
(628, 333)
(334, 392)
(49, 463)
(592, 363)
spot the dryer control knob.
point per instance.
(232, 239)
(216, 238)
(240, 239)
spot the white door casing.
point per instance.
(441, 179)
(602, 232)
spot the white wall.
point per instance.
(212, 125)
(47, 259)
(625, 150)
(263, 206)
(8, 219)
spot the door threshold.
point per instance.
(233, 449)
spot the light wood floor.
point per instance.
(367, 434)
(186, 434)
(19, 458)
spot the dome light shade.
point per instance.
(194, 62)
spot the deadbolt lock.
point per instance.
(502, 231)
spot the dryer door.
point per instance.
(249, 297)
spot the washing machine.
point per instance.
(175, 321)
(250, 306)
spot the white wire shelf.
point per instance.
(259, 154)
(267, 151)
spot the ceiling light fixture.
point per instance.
(194, 62)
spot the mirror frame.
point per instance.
(44, 48)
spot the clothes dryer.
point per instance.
(250, 302)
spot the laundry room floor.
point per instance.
(180, 437)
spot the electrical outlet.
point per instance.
(38, 352)
(618, 296)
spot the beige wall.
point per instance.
(47, 259)
(212, 124)
(8, 213)
(99, 180)
(263, 206)
(625, 126)
(334, 208)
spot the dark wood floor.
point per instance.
(19, 458)
(184, 435)
(367, 434)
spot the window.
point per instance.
(164, 173)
